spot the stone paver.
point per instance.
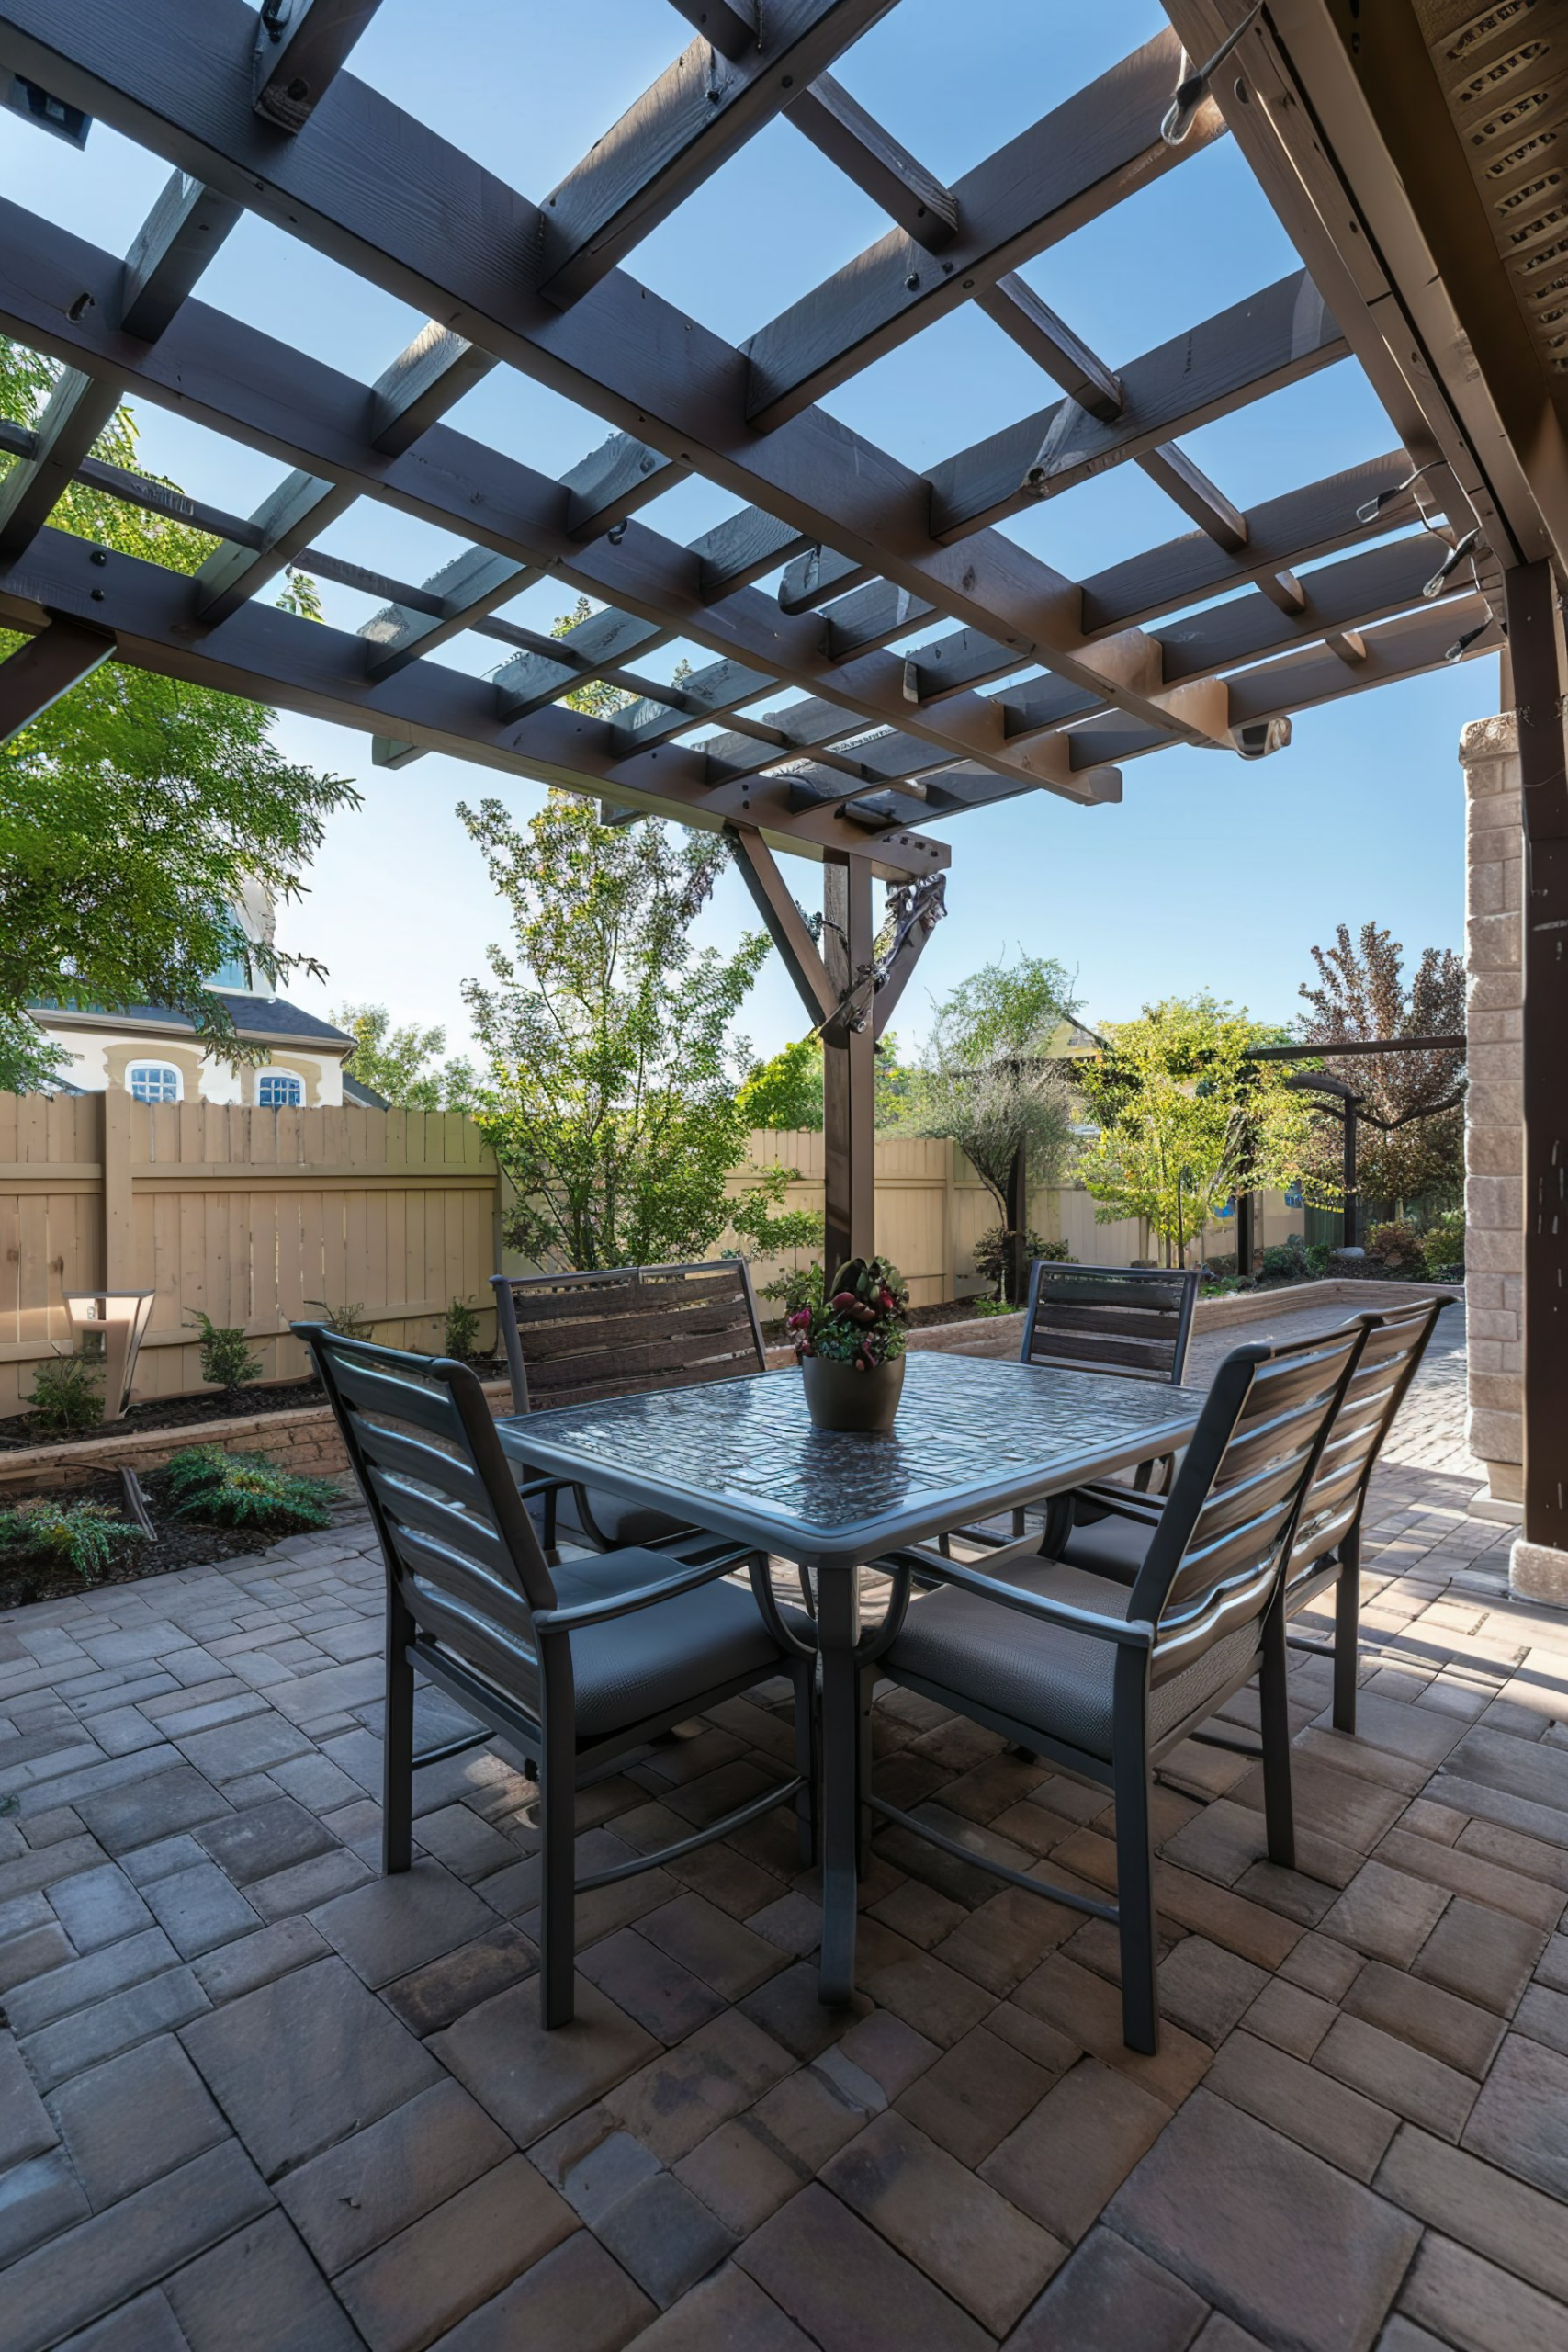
(239, 2073)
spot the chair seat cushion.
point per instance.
(1043, 1676)
(1111, 1547)
(619, 1521)
(632, 1669)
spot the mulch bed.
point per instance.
(178, 1543)
(192, 1412)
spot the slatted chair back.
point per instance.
(1395, 1343)
(572, 1339)
(460, 1549)
(1136, 1320)
(1214, 1562)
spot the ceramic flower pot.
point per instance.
(840, 1397)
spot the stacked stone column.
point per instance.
(1489, 756)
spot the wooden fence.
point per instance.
(247, 1214)
(251, 1214)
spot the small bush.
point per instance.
(462, 1330)
(1397, 1249)
(242, 1490)
(994, 1259)
(802, 1286)
(226, 1359)
(348, 1322)
(67, 1396)
(1443, 1240)
(89, 1537)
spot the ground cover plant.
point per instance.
(242, 1491)
(87, 1536)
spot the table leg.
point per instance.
(838, 1628)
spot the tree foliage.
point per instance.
(611, 1102)
(785, 1092)
(987, 1081)
(397, 1062)
(1418, 1150)
(135, 811)
(1186, 1121)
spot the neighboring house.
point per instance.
(156, 1056)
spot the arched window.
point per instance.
(280, 1090)
(154, 1081)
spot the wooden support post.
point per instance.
(1352, 1239)
(849, 1068)
(1246, 1245)
(1536, 652)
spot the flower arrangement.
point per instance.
(861, 1319)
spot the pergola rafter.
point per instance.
(877, 652)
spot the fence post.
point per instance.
(119, 1223)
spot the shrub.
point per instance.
(462, 1330)
(801, 1286)
(1287, 1262)
(88, 1537)
(242, 1490)
(993, 1254)
(226, 1359)
(66, 1397)
(1397, 1248)
(1444, 1239)
(348, 1322)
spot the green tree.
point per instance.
(136, 810)
(1411, 1139)
(989, 1082)
(397, 1062)
(785, 1092)
(611, 1103)
(1186, 1120)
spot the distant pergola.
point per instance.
(924, 662)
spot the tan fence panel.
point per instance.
(249, 1214)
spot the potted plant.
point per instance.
(851, 1347)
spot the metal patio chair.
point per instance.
(572, 1338)
(572, 1667)
(1104, 1677)
(1134, 1320)
(1327, 1546)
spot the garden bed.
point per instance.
(204, 1413)
(177, 1542)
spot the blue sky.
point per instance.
(1211, 873)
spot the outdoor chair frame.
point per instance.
(1210, 1589)
(473, 1606)
(640, 1328)
(1135, 1321)
(1327, 1547)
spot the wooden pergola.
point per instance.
(884, 655)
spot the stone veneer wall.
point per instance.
(1489, 756)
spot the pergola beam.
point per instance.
(299, 46)
(434, 229)
(266, 654)
(1273, 338)
(1101, 145)
(36, 674)
(678, 133)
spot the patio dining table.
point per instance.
(974, 1436)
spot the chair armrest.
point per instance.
(1127, 1502)
(542, 1487)
(1132, 1632)
(624, 1604)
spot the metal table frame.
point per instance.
(1141, 1421)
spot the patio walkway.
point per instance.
(254, 2098)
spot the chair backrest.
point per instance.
(1137, 1321)
(459, 1546)
(1395, 1343)
(1217, 1554)
(572, 1339)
